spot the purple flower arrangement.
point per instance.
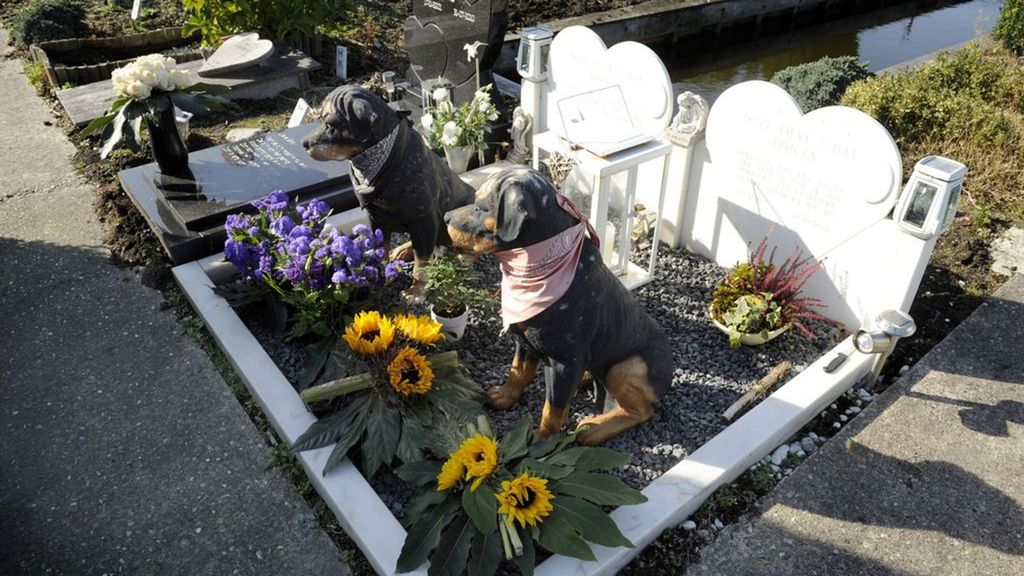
(312, 267)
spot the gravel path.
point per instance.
(709, 376)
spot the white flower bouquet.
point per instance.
(146, 89)
(444, 125)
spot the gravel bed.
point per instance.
(709, 376)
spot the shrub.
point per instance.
(822, 82)
(1009, 28)
(42, 20)
(212, 19)
(966, 105)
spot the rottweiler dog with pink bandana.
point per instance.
(563, 305)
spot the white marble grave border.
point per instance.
(368, 521)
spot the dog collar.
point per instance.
(536, 276)
(367, 164)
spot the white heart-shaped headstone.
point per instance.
(238, 52)
(579, 62)
(825, 175)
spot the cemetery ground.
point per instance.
(957, 282)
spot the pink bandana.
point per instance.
(534, 277)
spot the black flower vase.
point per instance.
(169, 152)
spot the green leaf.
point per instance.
(410, 445)
(542, 447)
(482, 507)
(214, 89)
(528, 560)
(600, 489)
(383, 427)
(116, 132)
(485, 554)
(419, 473)
(558, 535)
(98, 124)
(314, 356)
(424, 536)
(325, 431)
(513, 445)
(586, 458)
(339, 363)
(453, 550)
(592, 523)
(351, 434)
(543, 469)
(421, 504)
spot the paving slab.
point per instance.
(124, 452)
(929, 480)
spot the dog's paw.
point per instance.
(500, 398)
(587, 433)
(415, 294)
(403, 253)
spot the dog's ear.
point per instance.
(515, 206)
(363, 120)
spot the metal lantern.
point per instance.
(532, 61)
(931, 197)
(427, 95)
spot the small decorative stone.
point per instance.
(808, 445)
(794, 447)
(800, 453)
(688, 525)
(904, 369)
(239, 134)
(780, 454)
(843, 418)
(718, 524)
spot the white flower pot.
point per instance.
(458, 157)
(453, 328)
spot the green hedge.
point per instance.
(1009, 28)
(42, 20)
(822, 82)
(967, 105)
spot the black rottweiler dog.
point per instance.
(595, 326)
(403, 186)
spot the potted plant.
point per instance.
(450, 295)
(149, 90)
(759, 300)
(459, 131)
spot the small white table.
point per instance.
(603, 168)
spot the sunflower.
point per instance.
(370, 333)
(525, 499)
(451, 471)
(410, 373)
(479, 456)
(419, 329)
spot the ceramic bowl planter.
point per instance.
(454, 328)
(753, 338)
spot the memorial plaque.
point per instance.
(238, 52)
(437, 33)
(580, 63)
(188, 214)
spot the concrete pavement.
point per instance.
(123, 450)
(929, 480)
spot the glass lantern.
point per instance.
(931, 197)
(532, 61)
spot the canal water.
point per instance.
(881, 38)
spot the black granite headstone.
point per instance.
(188, 214)
(437, 33)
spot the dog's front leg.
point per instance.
(423, 240)
(559, 393)
(520, 375)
